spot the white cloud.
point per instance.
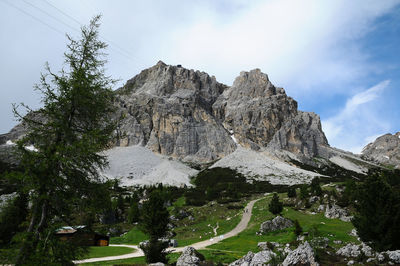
(359, 122)
(302, 45)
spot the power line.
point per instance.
(35, 18)
(62, 12)
(121, 51)
(124, 53)
(50, 15)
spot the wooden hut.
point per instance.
(81, 236)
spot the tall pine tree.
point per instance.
(68, 132)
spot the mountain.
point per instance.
(384, 150)
(176, 121)
(188, 115)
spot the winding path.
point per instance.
(199, 245)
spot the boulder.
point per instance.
(350, 250)
(335, 212)
(189, 257)
(394, 256)
(302, 255)
(263, 246)
(278, 223)
(251, 259)
(353, 251)
(313, 199)
(353, 232)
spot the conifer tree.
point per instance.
(304, 191)
(378, 213)
(155, 219)
(291, 192)
(275, 206)
(68, 132)
(134, 212)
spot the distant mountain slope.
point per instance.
(384, 150)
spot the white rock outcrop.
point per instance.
(335, 212)
(278, 223)
(189, 257)
(302, 255)
(251, 259)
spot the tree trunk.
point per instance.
(30, 244)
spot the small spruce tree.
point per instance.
(155, 219)
(315, 187)
(275, 206)
(304, 192)
(134, 212)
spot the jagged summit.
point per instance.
(256, 84)
(176, 81)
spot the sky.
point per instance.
(339, 59)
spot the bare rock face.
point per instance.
(254, 109)
(169, 110)
(301, 134)
(188, 115)
(385, 150)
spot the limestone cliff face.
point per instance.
(301, 134)
(188, 115)
(262, 115)
(169, 110)
(385, 150)
(254, 109)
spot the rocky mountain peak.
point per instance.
(174, 81)
(385, 150)
(253, 84)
